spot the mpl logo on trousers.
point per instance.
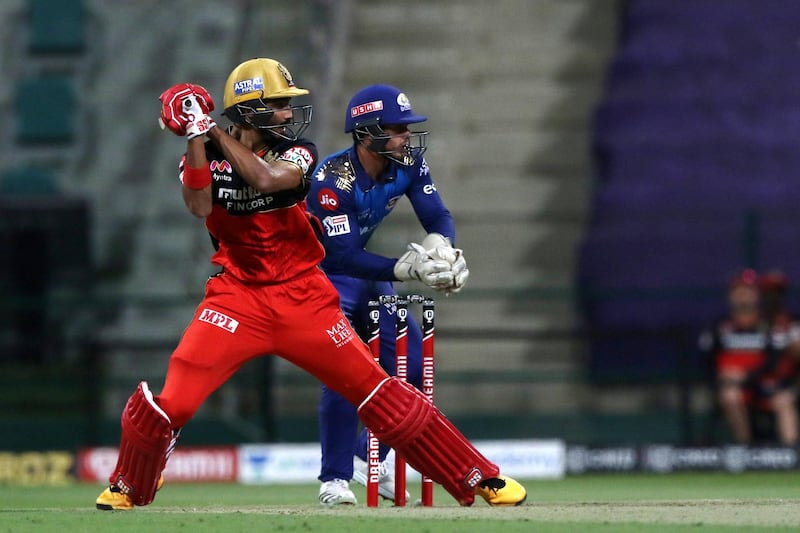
(215, 318)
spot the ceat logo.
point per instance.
(328, 200)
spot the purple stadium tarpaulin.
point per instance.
(697, 165)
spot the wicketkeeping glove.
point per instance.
(184, 110)
(438, 247)
(416, 264)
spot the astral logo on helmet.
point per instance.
(248, 86)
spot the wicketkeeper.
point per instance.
(352, 193)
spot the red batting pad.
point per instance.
(401, 417)
(146, 436)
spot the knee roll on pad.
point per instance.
(403, 418)
(146, 437)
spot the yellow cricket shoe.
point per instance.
(501, 491)
(112, 499)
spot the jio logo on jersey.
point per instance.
(328, 200)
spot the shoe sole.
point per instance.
(517, 504)
(335, 504)
(107, 507)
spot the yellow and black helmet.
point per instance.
(250, 87)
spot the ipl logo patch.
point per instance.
(336, 225)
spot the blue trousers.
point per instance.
(340, 438)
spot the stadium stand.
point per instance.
(45, 109)
(694, 143)
(56, 26)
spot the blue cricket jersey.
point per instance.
(351, 205)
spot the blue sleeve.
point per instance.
(345, 255)
(428, 205)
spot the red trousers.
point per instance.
(299, 320)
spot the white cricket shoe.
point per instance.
(336, 492)
(385, 471)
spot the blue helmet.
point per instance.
(376, 106)
(379, 105)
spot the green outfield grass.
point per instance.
(609, 503)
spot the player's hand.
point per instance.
(199, 122)
(185, 108)
(416, 264)
(460, 273)
(438, 247)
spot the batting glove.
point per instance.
(184, 110)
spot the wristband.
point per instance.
(196, 178)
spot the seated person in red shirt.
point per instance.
(745, 348)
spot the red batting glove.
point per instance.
(184, 105)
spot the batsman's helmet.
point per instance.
(250, 87)
(376, 106)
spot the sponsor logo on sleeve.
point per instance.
(336, 225)
(300, 156)
(328, 200)
(424, 168)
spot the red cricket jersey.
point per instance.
(262, 238)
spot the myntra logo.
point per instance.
(222, 166)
